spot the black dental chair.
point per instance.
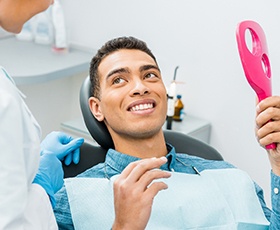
(92, 155)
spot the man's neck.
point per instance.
(143, 147)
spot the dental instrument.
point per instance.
(171, 100)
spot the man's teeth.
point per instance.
(142, 107)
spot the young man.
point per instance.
(130, 98)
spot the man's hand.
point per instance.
(63, 146)
(268, 129)
(134, 191)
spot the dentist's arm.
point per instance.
(56, 147)
(49, 175)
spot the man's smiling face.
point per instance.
(133, 99)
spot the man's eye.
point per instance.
(118, 80)
(150, 75)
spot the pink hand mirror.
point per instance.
(255, 61)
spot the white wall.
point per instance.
(58, 101)
(199, 36)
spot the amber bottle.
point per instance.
(178, 109)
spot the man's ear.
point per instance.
(94, 105)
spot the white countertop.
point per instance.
(29, 63)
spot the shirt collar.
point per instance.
(171, 157)
(118, 161)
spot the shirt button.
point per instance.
(172, 170)
(276, 190)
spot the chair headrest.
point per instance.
(98, 130)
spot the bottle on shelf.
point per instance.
(178, 109)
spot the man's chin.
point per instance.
(145, 133)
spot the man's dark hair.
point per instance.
(108, 48)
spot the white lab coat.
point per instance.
(23, 205)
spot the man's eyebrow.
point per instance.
(126, 70)
(147, 67)
(120, 70)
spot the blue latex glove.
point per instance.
(50, 175)
(65, 147)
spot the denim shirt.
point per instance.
(116, 162)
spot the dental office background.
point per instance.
(198, 36)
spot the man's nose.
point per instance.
(139, 88)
